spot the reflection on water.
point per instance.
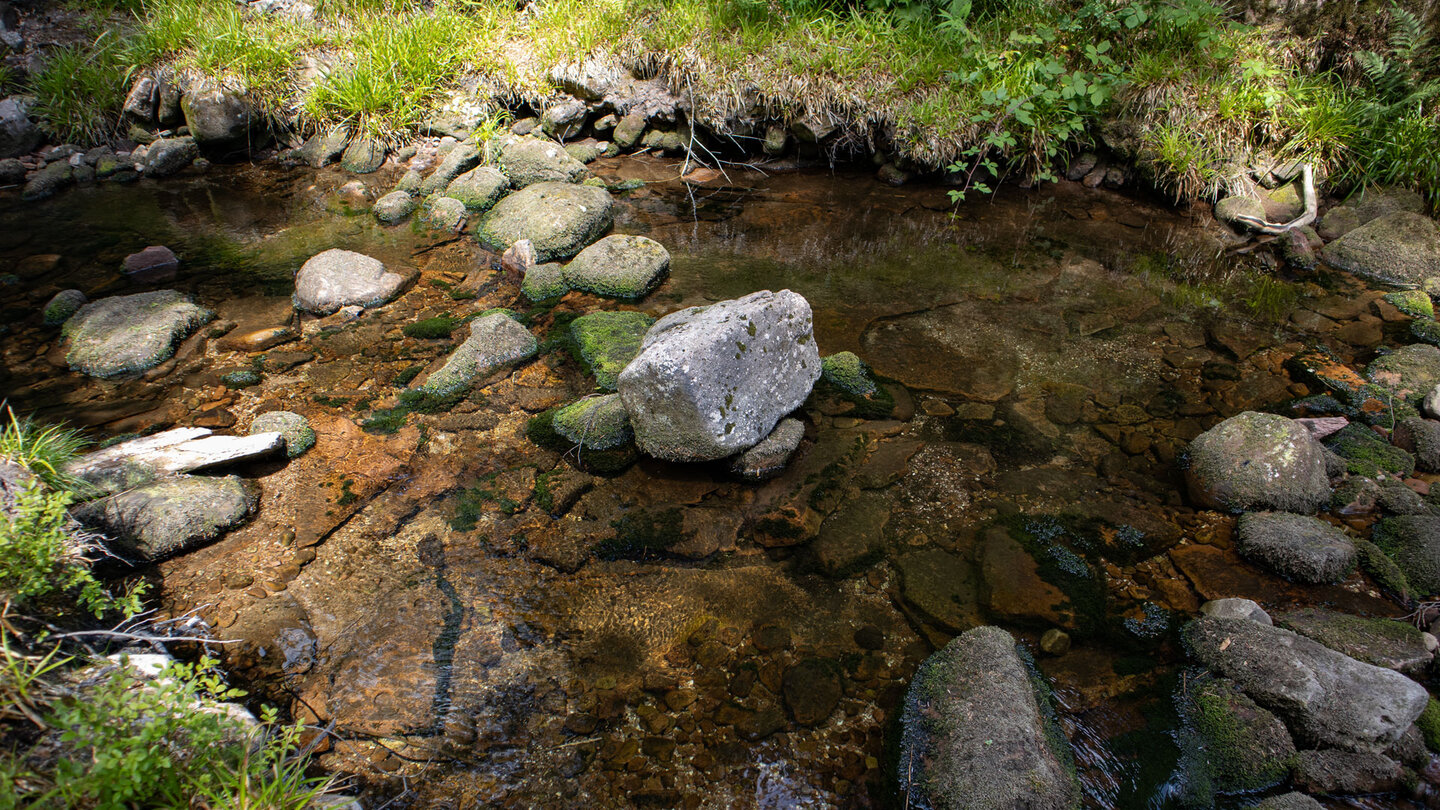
(753, 649)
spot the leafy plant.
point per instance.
(42, 555)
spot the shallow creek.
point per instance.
(485, 625)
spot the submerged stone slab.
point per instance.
(978, 735)
(125, 334)
(495, 341)
(340, 278)
(712, 381)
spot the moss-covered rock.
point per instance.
(1421, 437)
(1378, 565)
(1426, 331)
(1368, 455)
(395, 206)
(124, 334)
(299, 436)
(1399, 248)
(1413, 542)
(1230, 743)
(541, 430)
(619, 267)
(242, 378)
(430, 328)
(851, 378)
(608, 341)
(595, 423)
(1408, 373)
(479, 189)
(496, 341)
(62, 305)
(1414, 303)
(1298, 547)
(1429, 723)
(527, 161)
(559, 219)
(1258, 461)
(1388, 643)
(544, 282)
(171, 515)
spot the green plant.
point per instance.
(44, 451)
(79, 90)
(24, 685)
(42, 555)
(129, 742)
(431, 328)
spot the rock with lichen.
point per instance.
(1258, 461)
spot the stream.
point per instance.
(484, 623)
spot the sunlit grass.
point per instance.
(79, 90)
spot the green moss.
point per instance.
(606, 342)
(1414, 303)
(848, 373)
(347, 495)
(541, 430)
(1368, 455)
(1381, 568)
(1233, 731)
(240, 379)
(1425, 330)
(1429, 723)
(1052, 542)
(407, 376)
(544, 282)
(470, 504)
(385, 421)
(642, 534)
(431, 328)
(544, 496)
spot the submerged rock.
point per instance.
(595, 423)
(1398, 248)
(155, 263)
(543, 282)
(853, 534)
(395, 206)
(1298, 547)
(560, 219)
(495, 341)
(619, 267)
(1232, 745)
(608, 341)
(527, 161)
(1258, 461)
(977, 732)
(768, 458)
(339, 278)
(62, 305)
(125, 334)
(1326, 698)
(170, 516)
(295, 429)
(712, 381)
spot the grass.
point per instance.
(1188, 93)
(44, 450)
(79, 91)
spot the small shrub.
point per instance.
(42, 558)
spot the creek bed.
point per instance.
(486, 625)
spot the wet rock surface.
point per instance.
(170, 516)
(125, 334)
(1258, 461)
(560, 219)
(340, 278)
(1296, 546)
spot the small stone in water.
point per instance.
(241, 379)
(1055, 642)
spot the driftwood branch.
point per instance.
(1312, 208)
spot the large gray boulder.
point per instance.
(1389, 643)
(619, 267)
(461, 159)
(527, 161)
(169, 516)
(495, 341)
(18, 134)
(1298, 547)
(977, 736)
(341, 278)
(169, 156)
(1325, 698)
(560, 219)
(221, 121)
(1258, 461)
(712, 381)
(125, 334)
(480, 188)
(1400, 248)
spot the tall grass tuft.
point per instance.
(44, 450)
(79, 90)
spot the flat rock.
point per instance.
(340, 278)
(1387, 643)
(560, 219)
(178, 450)
(978, 735)
(479, 189)
(153, 264)
(1398, 248)
(125, 334)
(495, 341)
(170, 516)
(939, 586)
(1298, 547)
(619, 267)
(852, 534)
(712, 381)
(1326, 698)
